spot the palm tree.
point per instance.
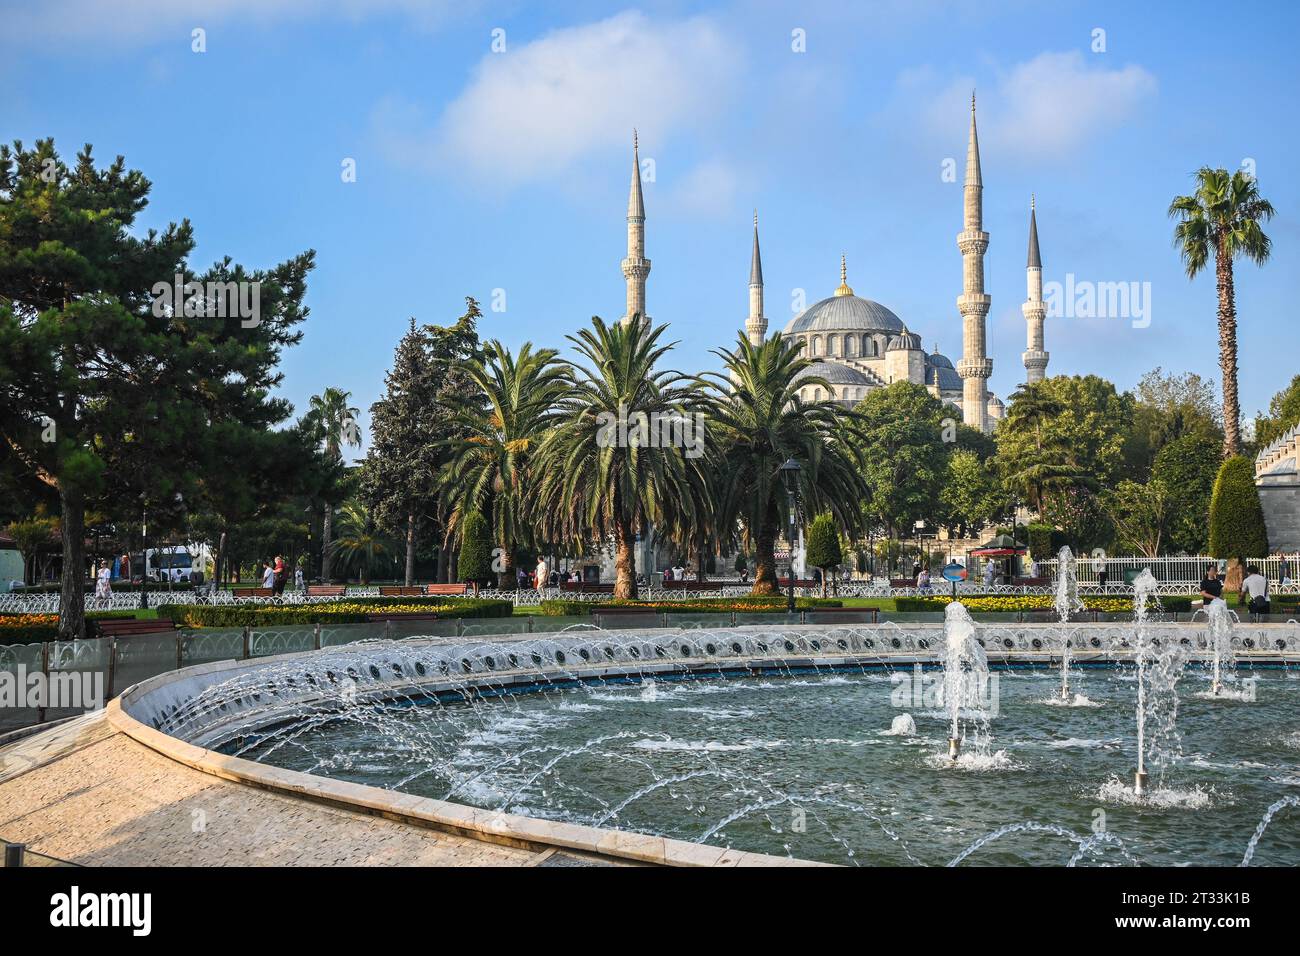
(1221, 219)
(603, 474)
(758, 422)
(335, 423)
(500, 430)
(360, 543)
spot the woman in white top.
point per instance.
(103, 582)
(268, 576)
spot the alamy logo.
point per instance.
(1084, 299)
(63, 689)
(103, 909)
(624, 429)
(222, 300)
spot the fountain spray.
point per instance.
(965, 670)
(1067, 602)
(1143, 587)
(1221, 621)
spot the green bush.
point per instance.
(1236, 516)
(353, 611)
(824, 545)
(1040, 541)
(475, 562)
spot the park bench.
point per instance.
(380, 616)
(442, 589)
(129, 626)
(401, 591)
(902, 582)
(1032, 582)
(799, 583)
(691, 584)
(326, 590)
(252, 592)
(585, 587)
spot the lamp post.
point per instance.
(144, 554)
(790, 476)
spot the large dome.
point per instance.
(845, 313)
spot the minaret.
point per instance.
(636, 266)
(973, 303)
(756, 324)
(1034, 309)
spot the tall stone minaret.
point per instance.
(756, 324)
(1034, 309)
(636, 266)
(973, 303)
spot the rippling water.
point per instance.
(807, 766)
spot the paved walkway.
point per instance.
(89, 794)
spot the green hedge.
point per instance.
(1236, 517)
(353, 611)
(746, 604)
(1011, 603)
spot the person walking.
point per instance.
(279, 576)
(268, 575)
(103, 582)
(988, 574)
(1254, 592)
(297, 579)
(1099, 565)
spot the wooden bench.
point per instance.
(584, 587)
(1031, 582)
(691, 583)
(252, 592)
(129, 626)
(799, 583)
(441, 589)
(379, 616)
(326, 590)
(414, 591)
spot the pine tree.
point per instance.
(111, 396)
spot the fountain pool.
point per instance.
(785, 742)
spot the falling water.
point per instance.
(1221, 621)
(1143, 588)
(965, 673)
(1067, 602)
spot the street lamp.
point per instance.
(144, 553)
(790, 476)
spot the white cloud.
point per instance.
(1044, 108)
(536, 110)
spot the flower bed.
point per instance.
(1012, 603)
(354, 611)
(747, 604)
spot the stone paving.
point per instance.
(88, 794)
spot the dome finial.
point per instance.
(844, 277)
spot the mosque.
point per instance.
(859, 344)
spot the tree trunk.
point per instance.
(699, 567)
(624, 560)
(410, 549)
(327, 527)
(453, 570)
(825, 575)
(765, 578)
(72, 594)
(1228, 351)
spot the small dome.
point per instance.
(939, 372)
(906, 342)
(834, 373)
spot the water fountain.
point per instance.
(1221, 619)
(965, 672)
(1067, 603)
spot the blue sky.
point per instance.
(480, 170)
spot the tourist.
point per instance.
(1211, 585)
(1254, 591)
(1283, 569)
(923, 581)
(103, 582)
(268, 576)
(744, 575)
(679, 572)
(988, 574)
(1099, 565)
(279, 576)
(298, 582)
(541, 573)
